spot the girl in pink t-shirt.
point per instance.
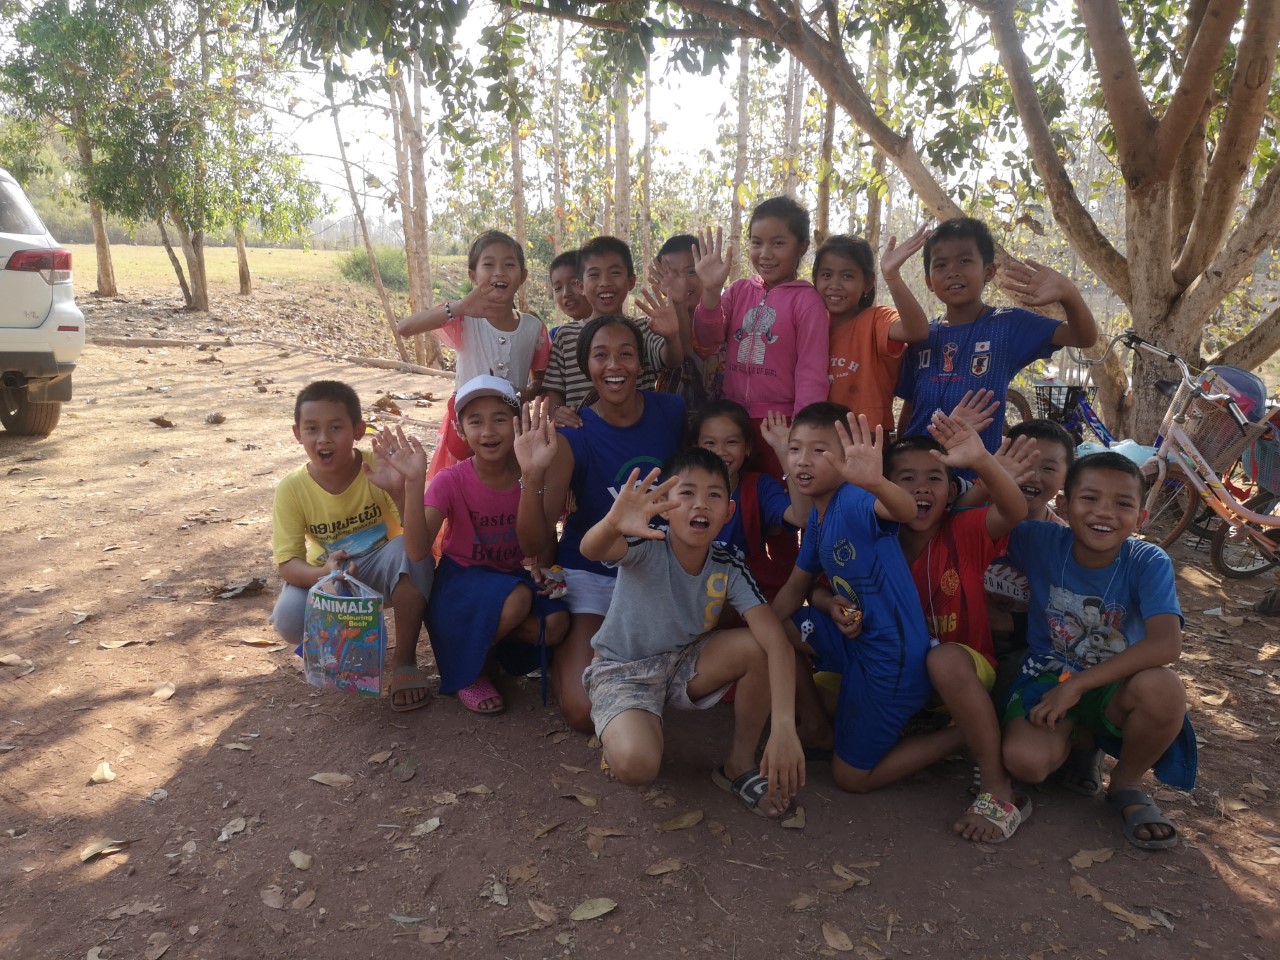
(482, 593)
(487, 332)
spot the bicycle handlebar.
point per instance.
(1131, 340)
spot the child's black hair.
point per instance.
(566, 258)
(695, 458)
(788, 211)
(921, 444)
(334, 391)
(488, 239)
(602, 246)
(1105, 460)
(595, 326)
(821, 414)
(1046, 430)
(728, 409)
(857, 250)
(961, 228)
(679, 244)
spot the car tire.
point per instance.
(26, 419)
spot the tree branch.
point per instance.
(624, 26)
(1081, 229)
(1195, 86)
(1250, 88)
(1131, 119)
(1256, 231)
(1256, 346)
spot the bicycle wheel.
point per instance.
(1016, 409)
(1171, 511)
(1234, 553)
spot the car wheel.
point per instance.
(22, 417)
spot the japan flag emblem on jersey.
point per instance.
(980, 364)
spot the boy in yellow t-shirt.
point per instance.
(342, 509)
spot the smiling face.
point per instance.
(499, 266)
(566, 288)
(807, 466)
(1104, 509)
(606, 282)
(723, 437)
(920, 474)
(956, 273)
(613, 363)
(841, 284)
(327, 434)
(1046, 477)
(488, 426)
(775, 251)
(704, 507)
(681, 276)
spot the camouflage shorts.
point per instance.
(615, 686)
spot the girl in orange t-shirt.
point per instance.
(867, 340)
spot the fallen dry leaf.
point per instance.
(403, 771)
(1135, 921)
(498, 893)
(573, 769)
(683, 821)
(844, 873)
(444, 798)
(79, 616)
(1083, 859)
(480, 790)
(795, 821)
(1083, 888)
(836, 938)
(21, 665)
(102, 848)
(425, 827)
(582, 798)
(433, 934)
(102, 773)
(164, 691)
(303, 900)
(116, 644)
(231, 829)
(303, 861)
(236, 746)
(543, 831)
(157, 945)
(836, 886)
(162, 421)
(522, 872)
(273, 897)
(1215, 699)
(382, 757)
(663, 866)
(332, 779)
(802, 903)
(543, 911)
(133, 910)
(260, 642)
(590, 909)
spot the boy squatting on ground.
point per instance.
(342, 509)
(852, 538)
(647, 654)
(1098, 655)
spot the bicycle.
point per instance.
(1184, 474)
(1233, 551)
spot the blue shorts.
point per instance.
(883, 684)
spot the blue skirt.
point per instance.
(463, 614)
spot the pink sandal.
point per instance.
(480, 691)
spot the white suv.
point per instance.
(41, 328)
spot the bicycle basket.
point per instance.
(1054, 399)
(1262, 462)
(1210, 426)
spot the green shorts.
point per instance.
(1090, 712)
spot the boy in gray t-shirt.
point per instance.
(658, 644)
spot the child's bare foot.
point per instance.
(409, 688)
(1145, 826)
(990, 819)
(482, 697)
(752, 790)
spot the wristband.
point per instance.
(448, 312)
(538, 490)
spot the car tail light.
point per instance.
(53, 265)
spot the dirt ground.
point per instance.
(123, 532)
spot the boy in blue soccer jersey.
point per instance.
(852, 537)
(974, 346)
(650, 653)
(1104, 627)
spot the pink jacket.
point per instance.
(776, 340)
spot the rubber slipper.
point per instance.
(1148, 813)
(480, 691)
(1005, 816)
(1081, 772)
(403, 680)
(750, 789)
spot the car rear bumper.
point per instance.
(60, 337)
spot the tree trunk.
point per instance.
(607, 179)
(646, 196)
(876, 192)
(101, 243)
(822, 229)
(622, 159)
(242, 265)
(557, 149)
(1255, 347)
(738, 201)
(177, 264)
(388, 310)
(517, 187)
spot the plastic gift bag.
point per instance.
(344, 636)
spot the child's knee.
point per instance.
(1158, 690)
(556, 628)
(1028, 760)
(633, 764)
(288, 617)
(949, 664)
(519, 603)
(850, 779)
(576, 709)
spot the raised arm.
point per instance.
(862, 463)
(964, 448)
(541, 454)
(776, 429)
(406, 457)
(1034, 285)
(711, 261)
(637, 503)
(664, 323)
(912, 325)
